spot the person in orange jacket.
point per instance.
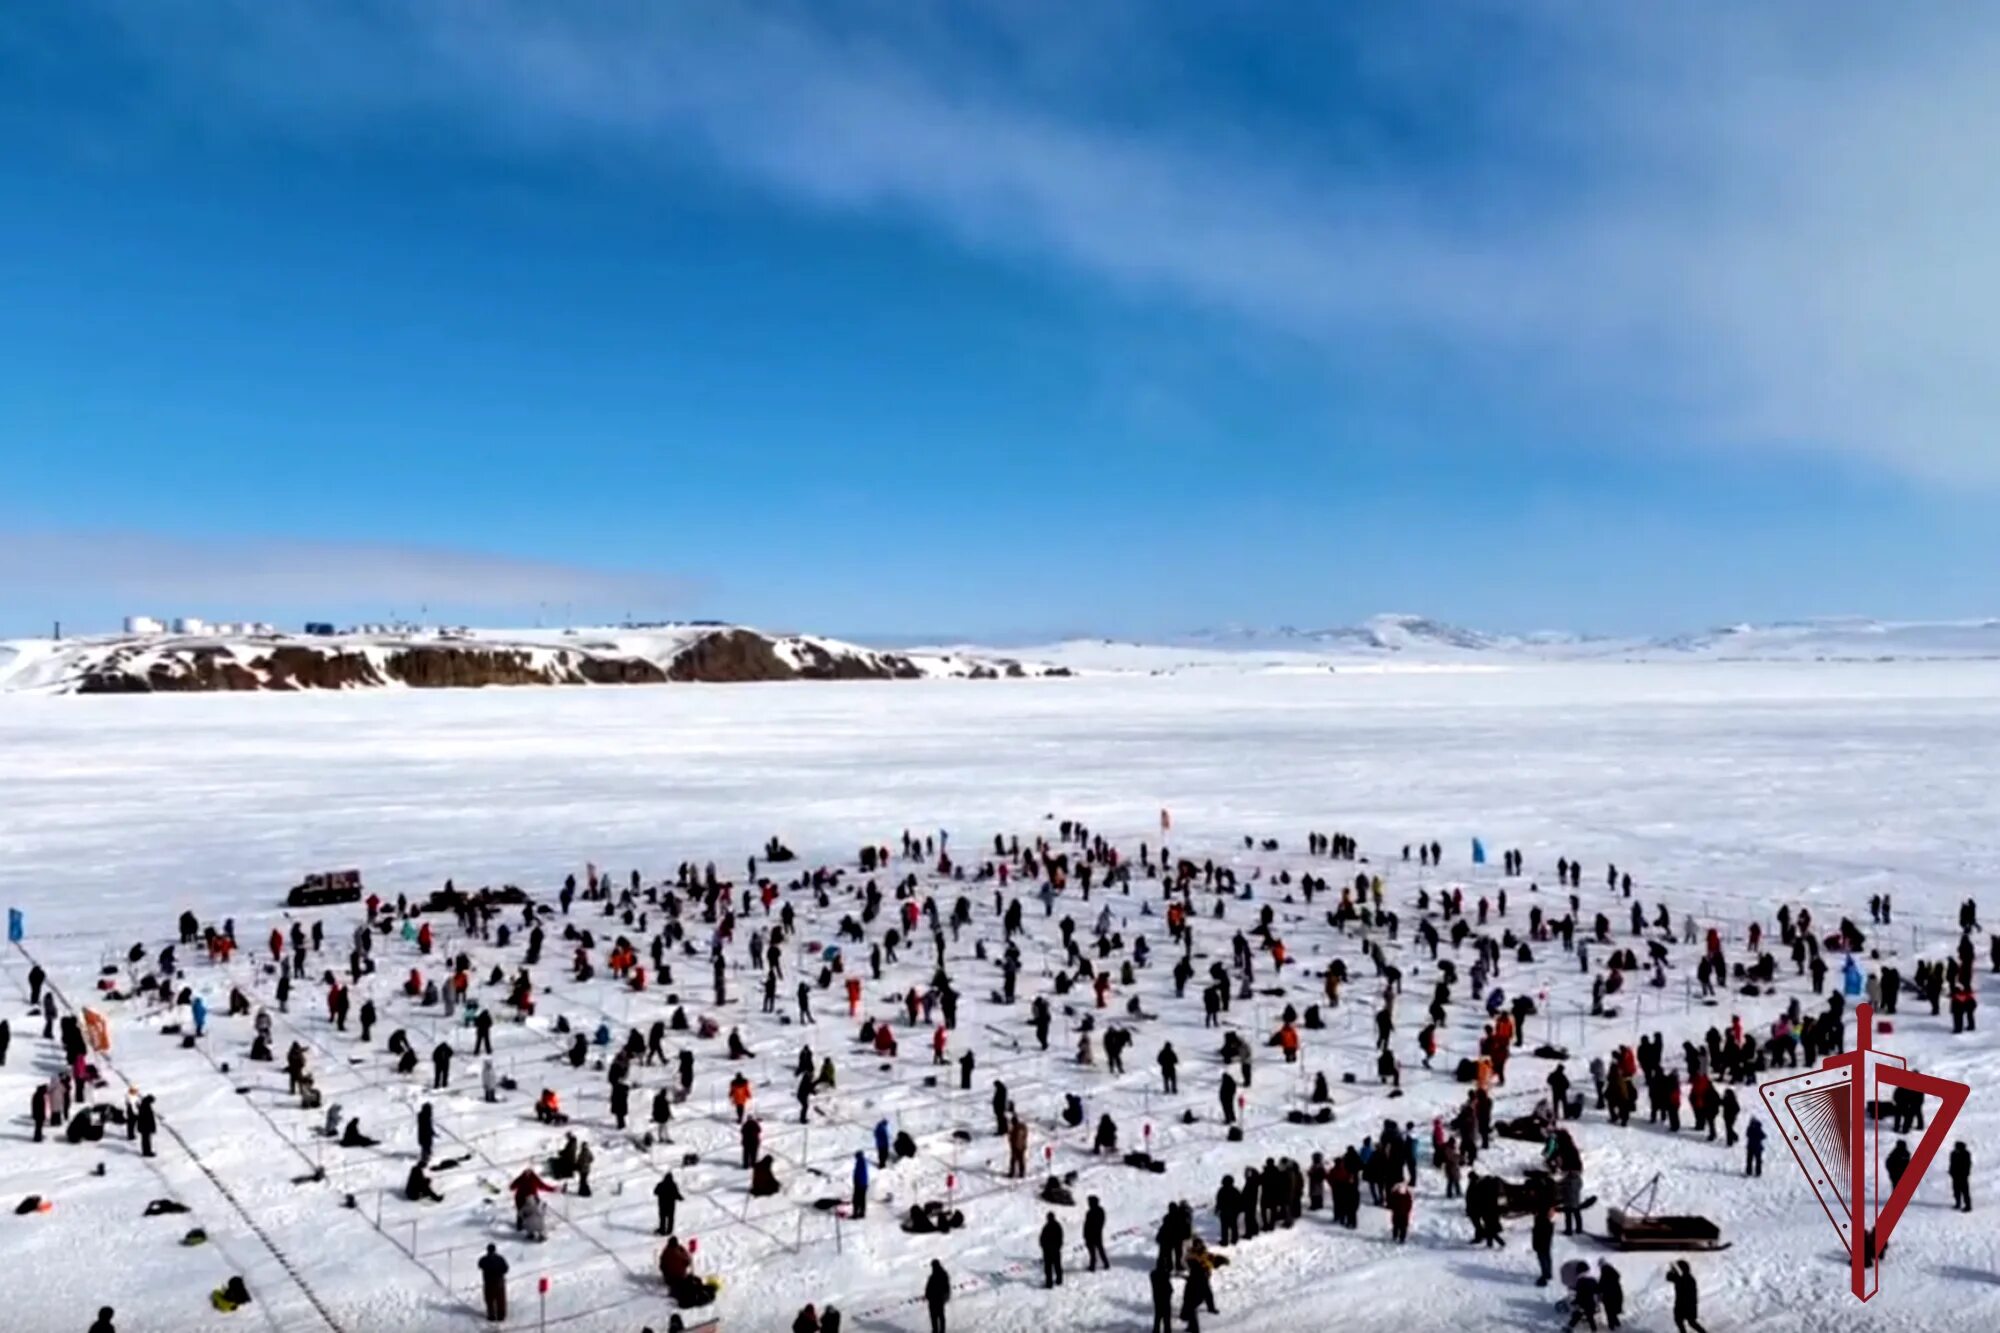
(739, 1096)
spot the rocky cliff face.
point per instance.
(721, 654)
(730, 655)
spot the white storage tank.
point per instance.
(190, 625)
(143, 625)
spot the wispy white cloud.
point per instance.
(281, 575)
(1751, 228)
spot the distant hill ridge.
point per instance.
(692, 653)
(695, 652)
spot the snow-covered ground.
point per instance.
(1725, 789)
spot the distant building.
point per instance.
(143, 625)
(319, 627)
(190, 625)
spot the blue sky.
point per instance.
(998, 320)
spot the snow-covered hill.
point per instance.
(1838, 639)
(149, 663)
(1418, 643)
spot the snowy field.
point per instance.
(1725, 790)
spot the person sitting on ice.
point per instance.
(737, 1050)
(676, 1264)
(563, 1165)
(352, 1137)
(417, 1187)
(230, 1296)
(1107, 1136)
(764, 1178)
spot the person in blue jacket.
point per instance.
(881, 1143)
(200, 1007)
(860, 1185)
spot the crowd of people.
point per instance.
(1123, 935)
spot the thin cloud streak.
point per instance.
(1723, 229)
(172, 574)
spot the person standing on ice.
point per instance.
(1960, 1167)
(1199, 1292)
(1052, 1243)
(1093, 1235)
(1162, 1279)
(1543, 1237)
(1753, 1147)
(1687, 1297)
(493, 1281)
(1017, 1149)
(147, 1123)
(860, 1208)
(937, 1294)
(667, 1196)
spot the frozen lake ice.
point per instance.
(1726, 789)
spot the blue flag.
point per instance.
(1478, 852)
(17, 925)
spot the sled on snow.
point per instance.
(1662, 1231)
(1523, 1129)
(1632, 1228)
(1535, 1192)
